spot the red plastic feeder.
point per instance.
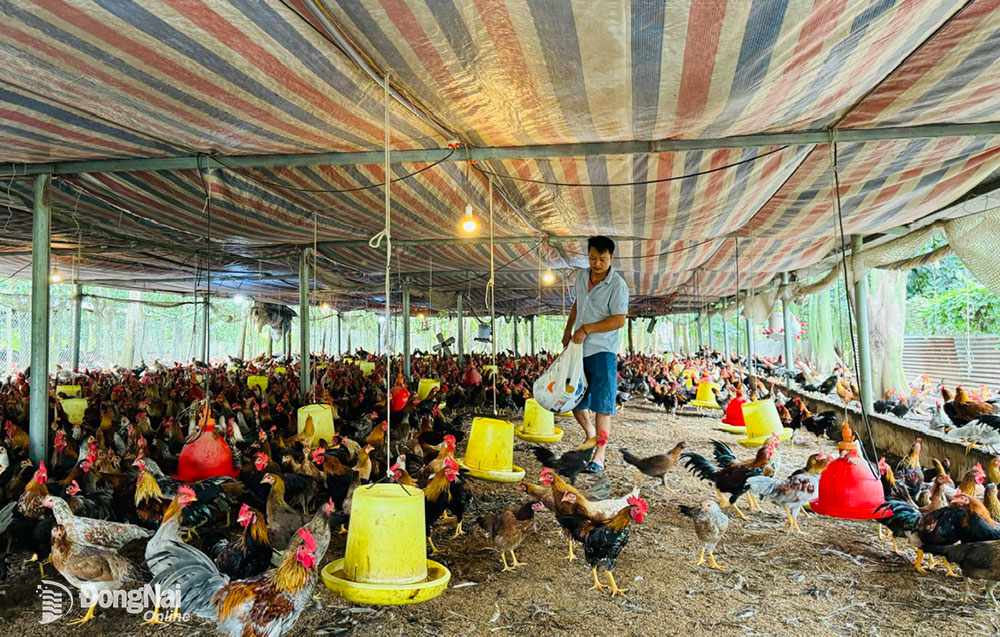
(472, 377)
(206, 455)
(399, 394)
(847, 487)
(734, 411)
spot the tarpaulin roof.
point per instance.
(103, 79)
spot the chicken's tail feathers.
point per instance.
(700, 466)
(688, 511)
(183, 568)
(723, 454)
(629, 457)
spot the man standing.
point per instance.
(599, 308)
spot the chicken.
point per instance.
(731, 477)
(99, 533)
(250, 553)
(908, 471)
(656, 466)
(978, 560)
(585, 504)
(282, 520)
(794, 492)
(268, 604)
(816, 424)
(91, 569)
(939, 420)
(571, 463)
(962, 411)
(964, 520)
(604, 541)
(710, 524)
(437, 495)
(506, 530)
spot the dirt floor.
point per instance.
(836, 579)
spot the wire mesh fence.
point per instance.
(128, 328)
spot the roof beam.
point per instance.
(543, 151)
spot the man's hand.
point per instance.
(579, 336)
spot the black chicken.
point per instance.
(571, 463)
(731, 477)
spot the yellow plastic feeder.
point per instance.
(68, 391)
(75, 408)
(566, 414)
(705, 396)
(322, 417)
(257, 381)
(538, 424)
(348, 359)
(386, 557)
(280, 370)
(489, 369)
(489, 454)
(688, 375)
(761, 419)
(426, 386)
(367, 367)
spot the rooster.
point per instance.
(794, 492)
(962, 411)
(603, 541)
(100, 533)
(571, 463)
(268, 604)
(731, 477)
(250, 553)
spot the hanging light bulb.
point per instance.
(239, 299)
(469, 223)
(548, 278)
(420, 316)
(326, 306)
(55, 277)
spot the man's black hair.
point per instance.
(602, 244)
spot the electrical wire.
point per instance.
(632, 183)
(275, 184)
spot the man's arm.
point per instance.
(568, 331)
(610, 324)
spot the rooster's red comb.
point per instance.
(185, 490)
(639, 502)
(307, 539)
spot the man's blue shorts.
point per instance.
(601, 370)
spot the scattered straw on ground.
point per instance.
(836, 579)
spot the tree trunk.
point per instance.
(886, 312)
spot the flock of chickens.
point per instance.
(243, 550)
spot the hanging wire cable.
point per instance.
(491, 299)
(850, 308)
(375, 241)
(632, 183)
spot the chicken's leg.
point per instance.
(663, 482)
(738, 512)
(176, 615)
(503, 558)
(597, 584)
(919, 562)
(41, 563)
(948, 570)
(895, 547)
(434, 549)
(155, 619)
(701, 557)
(515, 563)
(86, 618)
(571, 556)
(614, 587)
(714, 564)
(342, 531)
(445, 517)
(458, 530)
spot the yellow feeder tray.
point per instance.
(257, 381)
(705, 397)
(348, 359)
(280, 370)
(762, 420)
(386, 557)
(75, 408)
(367, 367)
(538, 424)
(489, 369)
(731, 429)
(68, 391)
(322, 417)
(489, 454)
(426, 386)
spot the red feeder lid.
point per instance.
(848, 488)
(734, 411)
(399, 394)
(472, 377)
(205, 456)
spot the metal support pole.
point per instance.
(305, 371)
(725, 332)
(243, 335)
(38, 414)
(204, 328)
(340, 324)
(516, 352)
(631, 349)
(699, 340)
(711, 339)
(531, 328)
(461, 330)
(786, 322)
(864, 345)
(406, 330)
(77, 320)
(751, 348)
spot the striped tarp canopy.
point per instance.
(105, 79)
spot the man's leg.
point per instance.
(603, 424)
(583, 417)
